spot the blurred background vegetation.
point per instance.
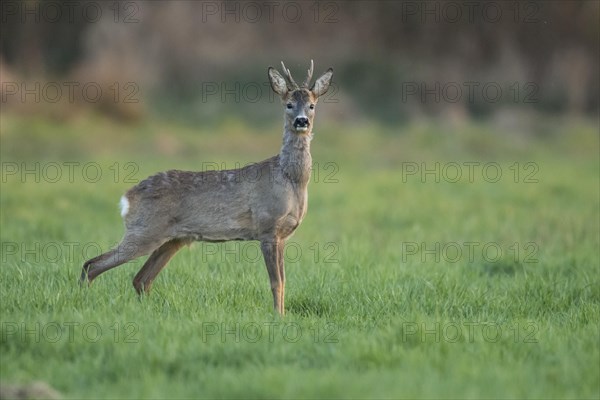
(395, 62)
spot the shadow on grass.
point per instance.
(308, 307)
(501, 268)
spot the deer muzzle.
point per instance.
(301, 124)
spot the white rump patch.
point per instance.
(124, 205)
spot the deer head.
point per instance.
(299, 101)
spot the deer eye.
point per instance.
(312, 106)
(289, 106)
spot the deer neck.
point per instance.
(294, 157)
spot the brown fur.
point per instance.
(265, 201)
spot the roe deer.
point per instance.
(174, 208)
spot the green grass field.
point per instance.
(398, 286)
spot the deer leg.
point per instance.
(155, 263)
(271, 254)
(126, 251)
(281, 268)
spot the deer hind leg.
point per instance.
(127, 250)
(155, 263)
(273, 254)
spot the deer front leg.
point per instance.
(273, 254)
(281, 268)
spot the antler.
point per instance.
(309, 76)
(289, 78)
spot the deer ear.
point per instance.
(277, 82)
(321, 85)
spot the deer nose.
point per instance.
(301, 121)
